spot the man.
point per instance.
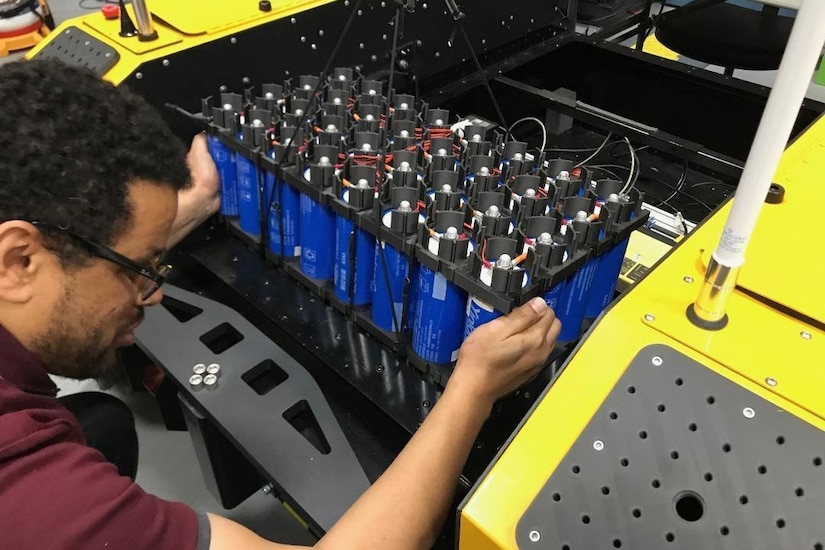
(89, 187)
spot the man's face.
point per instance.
(98, 306)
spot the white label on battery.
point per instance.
(454, 356)
(440, 287)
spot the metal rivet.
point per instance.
(321, 32)
(688, 279)
(535, 536)
(748, 412)
(303, 39)
(657, 361)
(598, 445)
(214, 368)
(165, 62)
(200, 368)
(770, 381)
(139, 75)
(805, 335)
(195, 380)
(210, 380)
(233, 40)
(292, 20)
(268, 488)
(649, 317)
(68, 31)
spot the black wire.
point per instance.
(683, 193)
(386, 271)
(483, 74)
(396, 32)
(324, 71)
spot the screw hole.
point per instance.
(690, 506)
(576, 469)
(818, 546)
(585, 519)
(780, 440)
(692, 427)
(637, 513)
(631, 389)
(726, 447)
(556, 497)
(670, 537)
(656, 483)
(708, 476)
(643, 434)
(674, 455)
(817, 461)
(565, 547)
(780, 523)
(613, 415)
(711, 400)
(660, 408)
(762, 469)
(605, 490)
(617, 543)
(799, 492)
(743, 500)
(724, 530)
(679, 381)
(624, 462)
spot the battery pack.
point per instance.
(437, 329)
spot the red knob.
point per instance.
(110, 11)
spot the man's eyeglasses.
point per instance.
(151, 279)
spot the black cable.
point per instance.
(396, 32)
(386, 271)
(324, 71)
(683, 193)
(480, 70)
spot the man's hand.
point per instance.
(202, 199)
(502, 355)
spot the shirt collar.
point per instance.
(22, 368)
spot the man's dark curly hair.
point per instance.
(70, 146)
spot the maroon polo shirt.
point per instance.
(58, 493)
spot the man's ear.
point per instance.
(22, 257)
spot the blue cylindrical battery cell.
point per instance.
(284, 205)
(437, 329)
(573, 301)
(553, 296)
(249, 198)
(364, 263)
(317, 230)
(391, 271)
(478, 313)
(227, 172)
(604, 281)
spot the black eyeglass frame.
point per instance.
(158, 277)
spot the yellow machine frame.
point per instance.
(772, 345)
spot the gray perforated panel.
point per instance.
(76, 47)
(680, 457)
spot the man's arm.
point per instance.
(496, 359)
(200, 200)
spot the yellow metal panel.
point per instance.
(111, 30)
(210, 16)
(212, 19)
(653, 46)
(759, 342)
(784, 261)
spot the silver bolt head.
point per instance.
(451, 234)
(323, 161)
(504, 261)
(545, 238)
(366, 147)
(405, 206)
(446, 188)
(441, 153)
(195, 380)
(657, 361)
(404, 166)
(363, 183)
(649, 317)
(214, 368)
(805, 335)
(688, 279)
(493, 211)
(534, 536)
(210, 380)
(200, 368)
(530, 194)
(771, 381)
(748, 412)
(484, 171)
(598, 445)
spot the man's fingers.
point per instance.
(521, 318)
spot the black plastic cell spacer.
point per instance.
(265, 5)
